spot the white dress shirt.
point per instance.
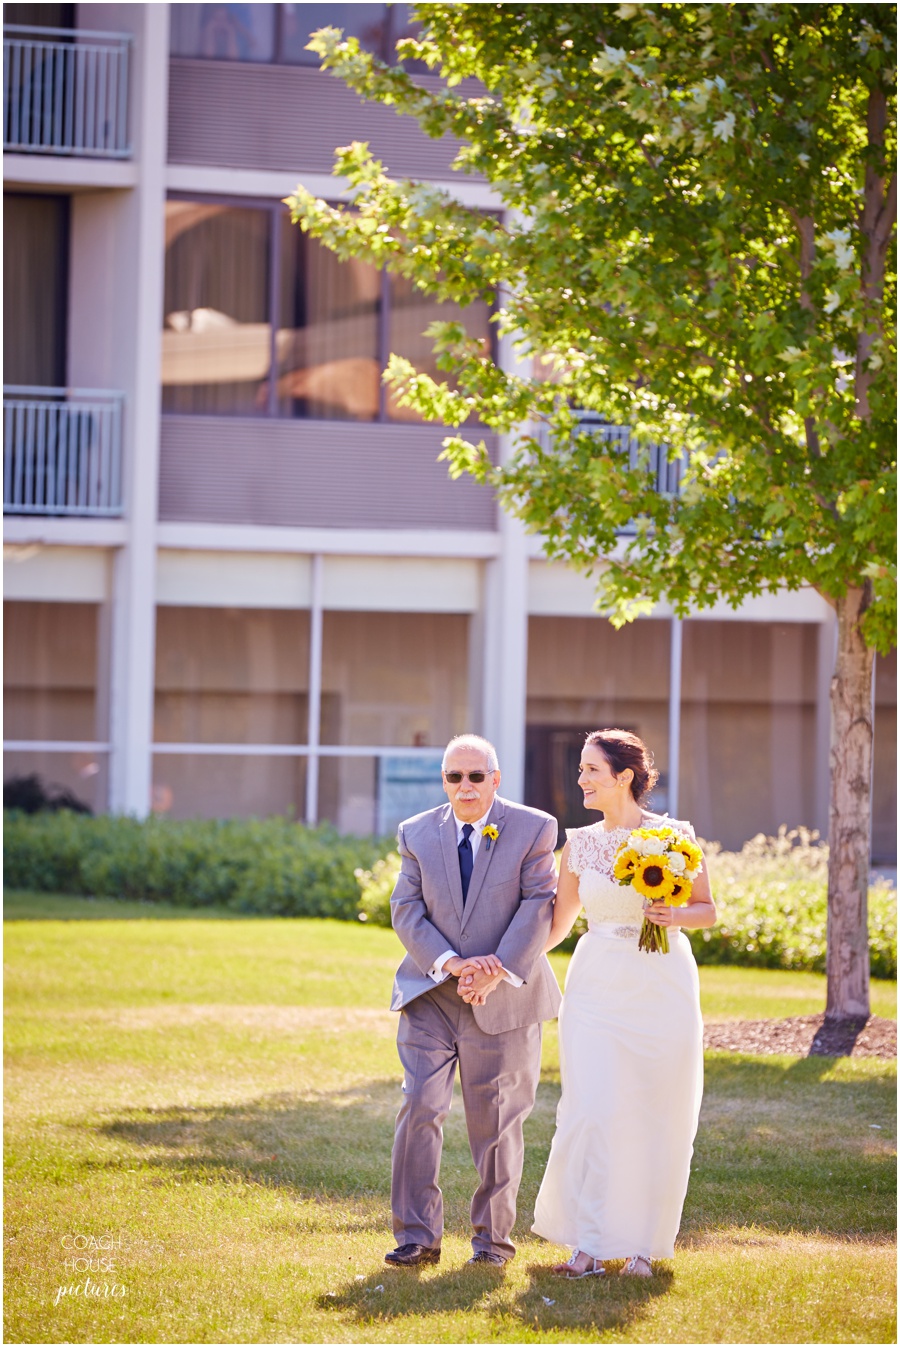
(436, 971)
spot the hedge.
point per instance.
(770, 896)
(271, 865)
(771, 900)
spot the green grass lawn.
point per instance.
(217, 1097)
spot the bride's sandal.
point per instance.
(568, 1269)
(638, 1266)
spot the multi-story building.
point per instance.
(238, 580)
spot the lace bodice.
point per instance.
(591, 855)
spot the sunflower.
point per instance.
(689, 850)
(660, 834)
(681, 891)
(625, 862)
(653, 878)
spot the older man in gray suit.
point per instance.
(473, 906)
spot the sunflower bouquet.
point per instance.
(661, 864)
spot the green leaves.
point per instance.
(697, 208)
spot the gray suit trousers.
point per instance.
(499, 1076)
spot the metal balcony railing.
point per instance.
(62, 451)
(665, 474)
(65, 91)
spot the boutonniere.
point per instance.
(491, 833)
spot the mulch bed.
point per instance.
(806, 1036)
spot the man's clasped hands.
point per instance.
(477, 976)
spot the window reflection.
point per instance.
(327, 344)
(367, 22)
(411, 311)
(224, 32)
(320, 354)
(216, 345)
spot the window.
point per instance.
(40, 15)
(280, 33)
(369, 23)
(262, 320)
(224, 32)
(53, 694)
(327, 345)
(410, 311)
(35, 269)
(218, 334)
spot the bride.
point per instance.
(631, 1038)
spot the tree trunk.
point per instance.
(850, 815)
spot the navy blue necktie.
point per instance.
(466, 859)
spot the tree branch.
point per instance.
(876, 222)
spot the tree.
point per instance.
(696, 242)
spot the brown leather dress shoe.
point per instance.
(412, 1255)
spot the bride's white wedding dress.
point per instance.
(631, 1059)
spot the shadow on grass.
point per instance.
(546, 1303)
(779, 1149)
(336, 1146)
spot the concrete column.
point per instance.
(117, 286)
(504, 629)
(315, 689)
(675, 638)
(505, 636)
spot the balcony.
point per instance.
(62, 452)
(65, 92)
(665, 474)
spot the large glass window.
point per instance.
(231, 675)
(266, 32)
(606, 679)
(50, 670)
(50, 692)
(369, 23)
(748, 727)
(247, 292)
(884, 767)
(327, 345)
(217, 335)
(35, 271)
(227, 785)
(410, 312)
(394, 678)
(224, 32)
(40, 15)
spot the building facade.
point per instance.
(237, 579)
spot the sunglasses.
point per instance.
(476, 778)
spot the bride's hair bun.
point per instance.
(622, 750)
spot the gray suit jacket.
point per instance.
(508, 909)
